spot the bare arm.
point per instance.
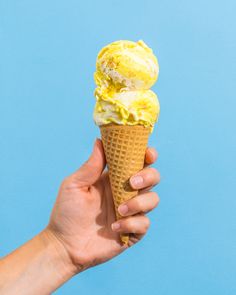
(38, 267)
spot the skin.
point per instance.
(82, 231)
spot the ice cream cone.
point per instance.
(125, 148)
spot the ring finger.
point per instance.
(140, 204)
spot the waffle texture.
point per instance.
(124, 148)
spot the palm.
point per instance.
(82, 218)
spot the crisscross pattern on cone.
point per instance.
(124, 148)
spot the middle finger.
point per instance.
(149, 176)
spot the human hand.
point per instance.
(83, 218)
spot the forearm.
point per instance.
(38, 267)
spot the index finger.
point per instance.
(150, 156)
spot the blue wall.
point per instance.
(47, 58)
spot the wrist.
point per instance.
(57, 255)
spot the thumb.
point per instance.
(92, 169)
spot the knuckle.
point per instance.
(152, 173)
(65, 183)
(152, 170)
(156, 173)
(136, 204)
(154, 176)
(155, 198)
(128, 224)
(68, 183)
(153, 153)
(146, 223)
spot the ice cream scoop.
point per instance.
(126, 65)
(138, 107)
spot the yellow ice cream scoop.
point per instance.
(137, 107)
(126, 65)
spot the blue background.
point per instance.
(47, 59)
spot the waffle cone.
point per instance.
(124, 148)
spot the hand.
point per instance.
(83, 218)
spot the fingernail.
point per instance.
(123, 209)
(115, 226)
(136, 181)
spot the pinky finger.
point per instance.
(137, 224)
